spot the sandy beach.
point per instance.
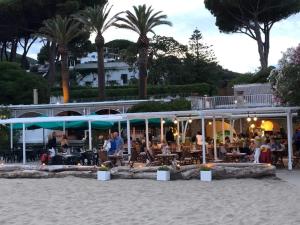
(85, 201)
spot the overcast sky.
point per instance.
(233, 51)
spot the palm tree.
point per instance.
(142, 21)
(96, 20)
(62, 30)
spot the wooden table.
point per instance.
(166, 159)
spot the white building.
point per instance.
(116, 72)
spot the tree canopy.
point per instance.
(255, 18)
(285, 79)
(17, 85)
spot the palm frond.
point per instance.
(142, 20)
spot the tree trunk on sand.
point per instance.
(99, 41)
(64, 73)
(52, 67)
(143, 45)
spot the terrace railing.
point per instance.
(223, 102)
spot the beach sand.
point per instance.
(146, 202)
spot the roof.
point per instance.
(253, 89)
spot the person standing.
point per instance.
(170, 136)
(199, 140)
(52, 144)
(64, 143)
(297, 140)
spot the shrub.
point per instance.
(163, 168)
(205, 168)
(103, 168)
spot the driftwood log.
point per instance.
(219, 171)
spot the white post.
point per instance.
(290, 141)
(24, 145)
(147, 133)
(203, 140)
(64, 127)
(184, 131)
(161, 130)
(119, 127)
(90, 135)
(230, 130)
(215, 138)
(128, 137)
(178, 134)
(11, 137)
(223, 130)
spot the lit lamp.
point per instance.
(255, 118)
(190, 120)
(175, 121)
(252, 125)
(163, 121)
(248, 119)
(209, 123)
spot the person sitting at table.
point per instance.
(107, 143)
(116, 149)
(165, 148)
(64, 143)
(273, 145)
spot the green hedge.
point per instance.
(127, 91)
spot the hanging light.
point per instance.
(248, 119)
(190, 120)
(262, 121)
(209, 123)
(254, 118)
(175, 121)
(163, 121)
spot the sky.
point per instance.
(236, 52)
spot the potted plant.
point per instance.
(163, 173)
(103, 173)
(205, 173)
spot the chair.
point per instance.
(186, 157)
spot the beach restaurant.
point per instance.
(181, 119)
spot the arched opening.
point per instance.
(68, 113)
(30, 114)
(107, 112)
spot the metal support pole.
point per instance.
(119, 127)
(161, 130)
(11, 137)
(178, 134)
(223, 130)
(24, 144)
(203, 140)
(64, 127)
(147, 133)
(230, 130)
(215, 138)
(128, 138)
(90, 135)
(290, 141)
